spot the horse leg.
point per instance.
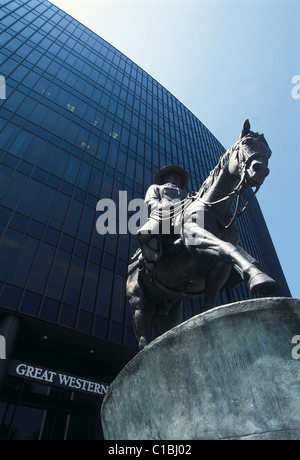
(142, 325)
(259, 282)
(142, 310)
(204, 244)
(169, 315)
(215, 282)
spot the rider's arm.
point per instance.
(153, 198)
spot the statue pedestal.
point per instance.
(228, 373)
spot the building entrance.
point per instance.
(33, 411)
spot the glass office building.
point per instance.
(79, 122)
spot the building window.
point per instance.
(113, 135)
(71, 108)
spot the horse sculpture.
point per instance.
(200, 260)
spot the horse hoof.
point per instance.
(263, 284)
(142, 343)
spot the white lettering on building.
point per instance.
(48, 376)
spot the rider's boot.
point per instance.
(259, 282)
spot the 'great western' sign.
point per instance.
(56, 378)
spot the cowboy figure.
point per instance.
(167, 190)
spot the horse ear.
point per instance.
(245, 129)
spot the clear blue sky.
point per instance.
(226, 60)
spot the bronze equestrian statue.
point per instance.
(202, 247)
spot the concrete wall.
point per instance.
(226, 374)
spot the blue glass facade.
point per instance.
(82, 122)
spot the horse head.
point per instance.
(250, 157)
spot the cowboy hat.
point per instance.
(172, 169)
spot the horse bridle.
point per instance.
(241, 186)
(243, 182)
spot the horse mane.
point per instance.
(214, 174)
(224, 160)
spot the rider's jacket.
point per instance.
(163, 196)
